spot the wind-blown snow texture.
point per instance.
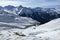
(21, 23)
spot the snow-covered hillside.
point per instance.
(47, 31)
(19, 22)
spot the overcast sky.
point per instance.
(31, 3)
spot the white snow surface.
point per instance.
(16, 22)
(47, 31)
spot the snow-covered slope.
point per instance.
(18, 22)
(48, 31)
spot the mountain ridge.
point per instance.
(42, 15)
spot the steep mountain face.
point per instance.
(1, 8)
(42, 15)
(9, 7)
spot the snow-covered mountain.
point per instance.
(22, 23)
(42, 15)
(9, 18)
